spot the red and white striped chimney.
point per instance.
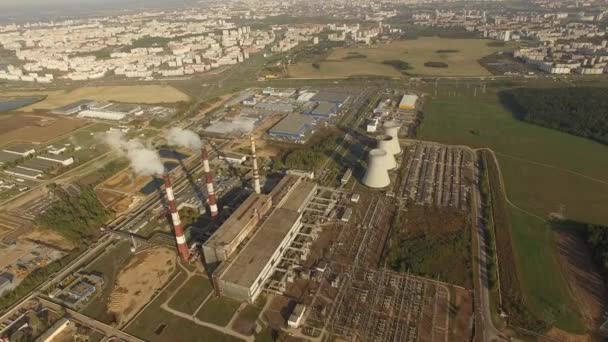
(182, 246)
(209, 182)
(254, 161)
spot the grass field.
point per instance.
(545, 171)
(461, 59)
(35, 129)
(134, 94)
(546, 289)
(109, 264)
(156, 325)
(218, 310)
(191, 295)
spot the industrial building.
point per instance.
(22, 150)
(294, 127)
(222, 244)
(243, 276)
(324, 110)
(6, 157)
(73, 108)
(408, 101)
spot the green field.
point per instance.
(218, 310)
(109, 264)
(545, 171)
(149, 323)
(461, 59)
(191, 295)
(545, 288)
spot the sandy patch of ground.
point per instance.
(125, 182)
(135, 94)
(138, 281)
(12, 253)
(49, 237)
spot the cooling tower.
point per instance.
(385, 142)
(376, 175)
(392, 128)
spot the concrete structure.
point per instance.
(222, 244)
(54, 330)
(324, 109)
(23, 150)
(182, 246)
(243, 278)
(211, 197)
(392, 128)
(385, 142)
(376, 175)
(295, 319)
(73, 108)
(294, 126)
(408, 101)
(254, 162)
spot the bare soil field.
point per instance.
(49, 237)
(125, 182)
(35, 129)
(585, 282)
(138, 281)
(134, 94)
(461, 61)
(108, 198)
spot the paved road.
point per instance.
(483, 310)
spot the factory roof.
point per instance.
(250, 262)
(38, 165)
(324, 108)
(72, 107)
(297, 198)
(330, 96)
(6, 157)
(293, 124)
(19, 148)
(233, 226)
(23, 173)
(408, 100)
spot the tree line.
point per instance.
(76, 215)
(581, 111)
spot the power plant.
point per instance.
(392, 128)
(256, 174)
(376, 175)
(211, 197)
(385, 142)
(182, 246)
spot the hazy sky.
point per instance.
(19, 10)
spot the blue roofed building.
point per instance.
(323, 110)
(294, 127)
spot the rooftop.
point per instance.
(72, 106)
(6, 157)
(233, 226)
(253, 258)
(250, 262)
(19, 148)
(293, 123)
(330, 96)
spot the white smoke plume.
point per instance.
(144, 160)
(184, 138)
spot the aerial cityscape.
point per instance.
(398, 170)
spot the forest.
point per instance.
(581, 111)
(76, 215)
(597, 238)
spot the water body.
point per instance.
(13, 104)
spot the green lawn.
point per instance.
(191, 295)
(547, 291)
(482, 122)
(109, 264)
(456, 116)
(218, 310)
(149, 323)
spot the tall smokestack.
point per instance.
(209, 182)
(256, 174)
(182, 246)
